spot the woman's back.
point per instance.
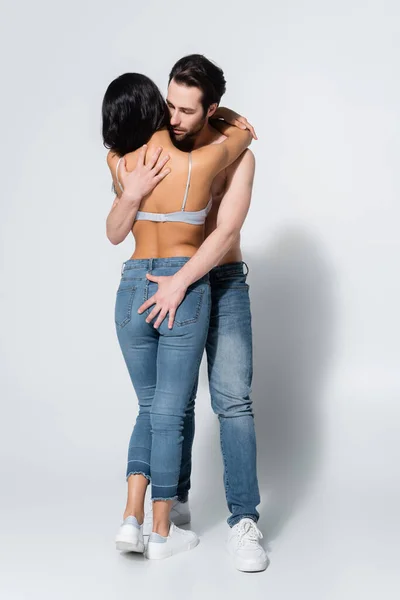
(134, 112)
(170, 221)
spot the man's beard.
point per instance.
(186, 141)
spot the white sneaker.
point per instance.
(178, 540)
(180, 515)
(244, 546)
(130, 536)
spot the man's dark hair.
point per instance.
(133, 109)
(196, 70)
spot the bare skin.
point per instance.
(190, 128)
(208, 135)
(161, 240)
(137, 486)
(166, 239)
(218, 191)
(231, 190)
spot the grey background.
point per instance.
(319, 80)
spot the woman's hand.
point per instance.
(143, 179)
(233, 118)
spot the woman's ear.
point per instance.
(212, 109)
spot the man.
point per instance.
(196, 86)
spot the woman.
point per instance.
(163, 363)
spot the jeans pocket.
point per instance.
(123, 305)
(189, 310)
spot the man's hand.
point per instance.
(144, 178)
(233, 118)
(168, 297)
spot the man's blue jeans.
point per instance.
(230, 370)
(163, 365)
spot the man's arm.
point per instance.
(231, 215)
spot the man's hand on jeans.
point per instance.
(168, 297)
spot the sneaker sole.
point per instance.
(255, 568)
(156, 554)
(129, 546)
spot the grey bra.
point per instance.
(195, 217)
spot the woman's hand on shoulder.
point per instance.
(145, 177)
(233, 118)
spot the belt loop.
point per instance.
(150, 265)
(122, 268)
(247, 267)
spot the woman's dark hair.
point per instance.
(196, 70)
(133, 109)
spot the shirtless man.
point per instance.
(195, 88)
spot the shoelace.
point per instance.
(248, 534)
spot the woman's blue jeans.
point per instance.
(163, 365)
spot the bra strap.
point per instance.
(188, 182)
(116, 174)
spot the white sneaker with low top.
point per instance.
(178, 540)
(245, 548)
(130, 536)
(180, 515)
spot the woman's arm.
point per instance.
(121, 218)
(219, 156)
(140, 182)
(233, 118)
(125, 206)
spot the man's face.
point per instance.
(186, 111)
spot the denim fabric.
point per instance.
(230, 370)
(163, 365)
